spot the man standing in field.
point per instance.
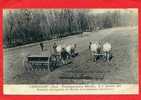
(54, 48)
(42, 46)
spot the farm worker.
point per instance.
(64, 55)
(74, 51)
(99, 46)
(54, 48)
(90, 45)
(42, 46)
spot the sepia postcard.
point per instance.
(70, 51)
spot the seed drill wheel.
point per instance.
(55, 62)
(27, 65)
(95, 57)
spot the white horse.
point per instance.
(59, 48)
(64, 52)
(107, 49)
(71, 49)
(95, 49)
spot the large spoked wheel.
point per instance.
(95, 56)
(55, 62)
(27, 66)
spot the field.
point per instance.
(123, 68)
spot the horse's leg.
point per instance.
(95, 57)
(104, 56)
(92, 56)
(108, 56)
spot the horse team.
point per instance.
(100, 51)
(97, 50)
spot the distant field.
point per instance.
(122, 69)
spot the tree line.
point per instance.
(27, 26)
